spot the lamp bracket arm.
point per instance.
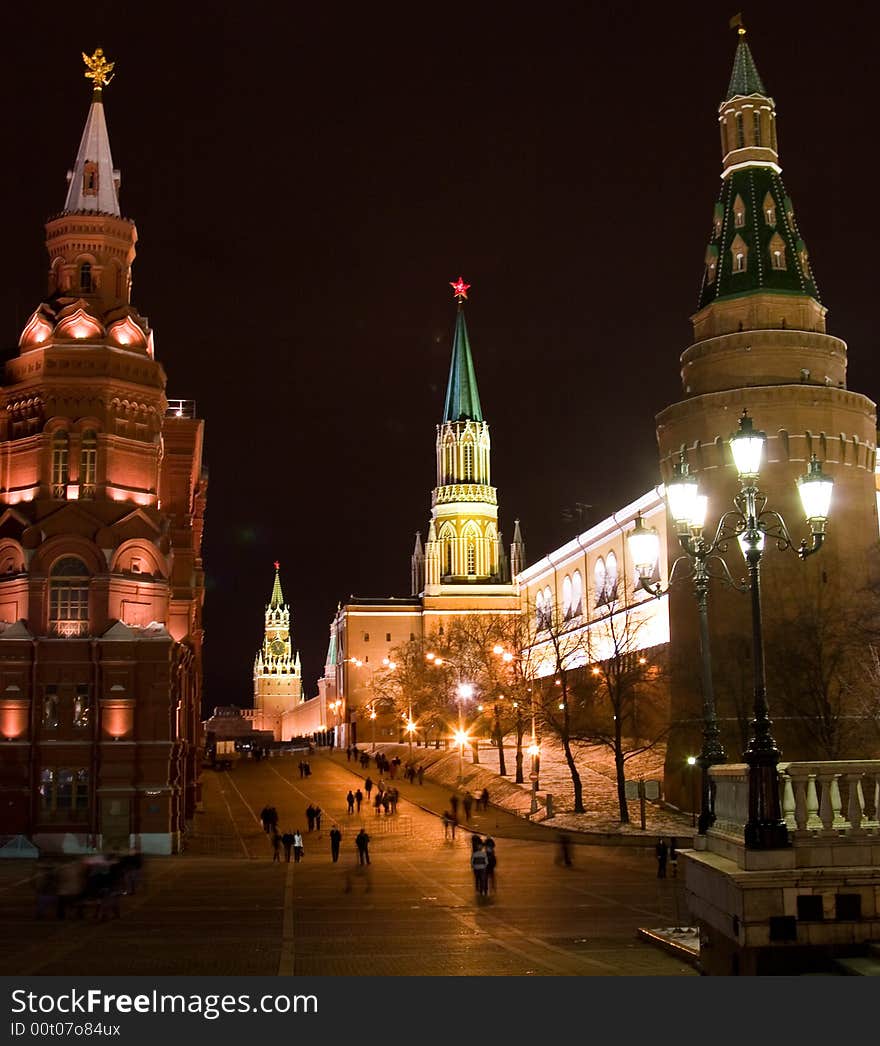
(718, 570)
(682, 563)
(774, 527)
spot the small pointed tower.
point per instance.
(463, 545)
(277, 672)
(418, 566)
(517, 553)
(760, 344)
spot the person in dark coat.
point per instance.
(310, 816)
(662, 852)
(335, 840)
(318, 812)
(368, 787)
(350, 800)
(276, 845)
(287, 843)
(362, 842)
(359, 798)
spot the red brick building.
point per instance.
(102, 500)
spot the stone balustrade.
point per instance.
(819, 799)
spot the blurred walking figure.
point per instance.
(368, 786)
(359, 798)
(489, 845)
(264, 818)
(662, 852)
(350, 800)
(272, 819)
(476, 843)
(310, 816)
(673, 856)
(335, 840)
(318, 812)
(421, 774)
(467, 803)
(47, 890)
(484, 799)
(453, 805)
(362, 842)
(564, 850)
(447, 821)
(287, 843)
(276, 845)
(298, 848)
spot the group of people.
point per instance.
(313, 817)
(483, 863)
(305, 768)
(99, 880)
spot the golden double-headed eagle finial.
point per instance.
(98, 69)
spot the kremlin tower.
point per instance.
(277, 671)
(760, 345)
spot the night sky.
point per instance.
(305, 184)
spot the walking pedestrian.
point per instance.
(484, 798)
(476, 842)
(368, 787)
(335, 840)
(298, 848)
(310, 816)
(480, 866)
(318, 812)
(421, 775)
(272, 819)
(453, 805)
(350, 800)
(362, 842)
(447, 821)
(348, 754)
(264, 818)
(359, 798)
(302, 768)
(453, 823)
(287, 843)
(662, 852)
(564, 850)
(467, 803)
(276, 845)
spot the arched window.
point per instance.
(756, 127)
(69, 597)
(711, 263)
(60, 463)
(539, 610)
(471, 557)
(548, 607)
(447, 555)
(740, 133)
(600, 579)
(469, 462)
(769, 210)
(739, 262)
(724, 138)
(88, 465)
(739, 213)
(611, 580)
(577, 594)
(90, 179)
(566, 598)
(739, 254)
(85, 277)
(777, 252)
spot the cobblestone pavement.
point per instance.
(225, 908)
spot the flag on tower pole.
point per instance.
(737, 22)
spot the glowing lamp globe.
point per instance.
(747, 447)
(743, 544)
(465, 691)
(644, 548)
(815, 491)
(682, 495)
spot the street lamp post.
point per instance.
(750, 522)
(389, 666)
(692, 762)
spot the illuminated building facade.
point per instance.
(102, 501)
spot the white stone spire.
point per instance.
(94, 183)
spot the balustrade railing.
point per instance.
(819, 799)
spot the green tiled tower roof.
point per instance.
(744, 79)
(462, 397)
(751, 185)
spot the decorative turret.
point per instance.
(418, 566)
(517, 552)
(91, 246)
(757, 274)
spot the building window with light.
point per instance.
(64, 794)
(777, 252)
(740, 132)
(769, 210)
(471, 557)
(69, 598)
(756, 127)
(90, 179)
(50, 707)
(577, 594)
(611, 577)
(739, 213)
(82, 706)
(600, 579)
(88, 464)
(469, 462)
(85, 277)
(60, 464)
(566, 598)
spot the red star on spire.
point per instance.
(460, 288)
(277, 565)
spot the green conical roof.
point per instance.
(745, 78)
(755, 197)
(277, 595)
(462, 397)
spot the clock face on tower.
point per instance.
(276, 647)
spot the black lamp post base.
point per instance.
(766, 835)
(705, 822)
